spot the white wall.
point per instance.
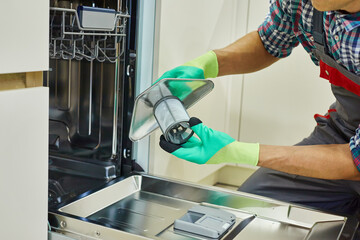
(188, 29)
(273, 106)
(279, 102)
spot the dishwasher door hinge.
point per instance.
(127, 153)
(129, 165)
(130, 68)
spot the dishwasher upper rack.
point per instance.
(69, 40)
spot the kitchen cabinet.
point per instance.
(24, 42)
(24, 163)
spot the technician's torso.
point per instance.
(294, 20)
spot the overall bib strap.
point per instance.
(345, 85)
(318, 28)
(335, 73)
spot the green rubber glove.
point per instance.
(212, 147)
(205, 66)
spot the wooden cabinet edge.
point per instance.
(21, 80)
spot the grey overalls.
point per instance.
(335, 127)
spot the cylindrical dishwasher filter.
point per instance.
(173, 120)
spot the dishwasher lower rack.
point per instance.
(145, 207)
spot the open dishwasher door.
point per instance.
(146, 207)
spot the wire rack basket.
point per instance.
(69, 40)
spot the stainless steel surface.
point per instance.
(76, 167)
(83, 116)
(189, 91)
(146, 207)
(89, 99)
(104, 197)
(86, 93)
(80, 103)
(324, 230)
(269, 229)
(58, 236)
(147, 51)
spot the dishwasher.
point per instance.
(99, 187)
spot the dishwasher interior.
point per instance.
(93, 190)
(91, 95)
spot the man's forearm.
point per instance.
(319, 161)
(244, 56)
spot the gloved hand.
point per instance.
(205, 66)
(212, 147)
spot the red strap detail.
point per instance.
(321, 116)
(338, 79)
(327, 116)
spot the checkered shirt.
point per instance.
(290, 23)
(355, 148)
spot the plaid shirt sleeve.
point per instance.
(355, 148)
(276, 32)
